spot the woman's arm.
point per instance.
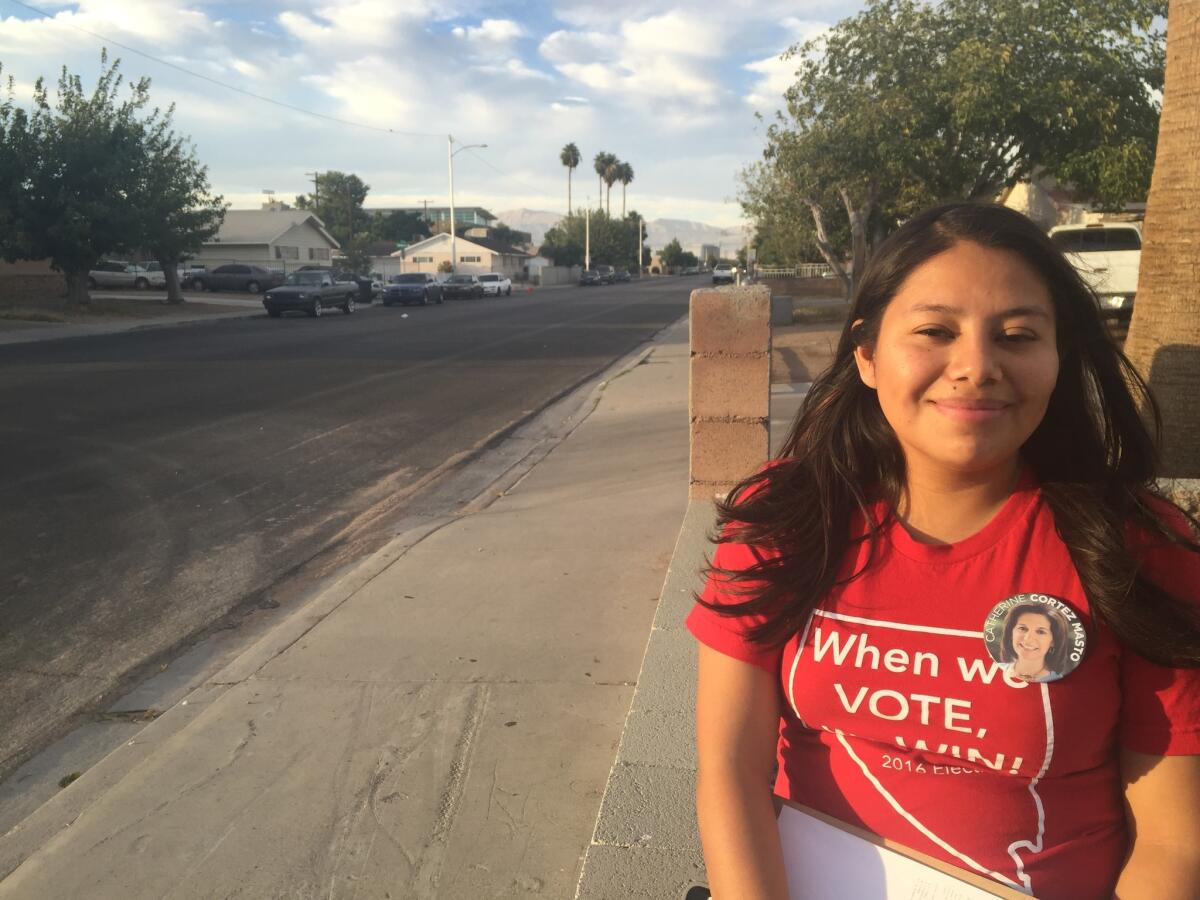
(737, 730)
(1162, 805)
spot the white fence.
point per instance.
(804, 270)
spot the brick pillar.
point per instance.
(730, 398)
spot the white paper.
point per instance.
(826, 863)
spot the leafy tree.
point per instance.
(77, 166)
(445, 266)
(570, 158)
(613, 241)
(672, 254)
(507, 235)
(907, 104)
(175, 212)
(338, 202)
(355, 255)
(398, 225)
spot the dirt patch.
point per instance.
(800, 353)
(17, 312)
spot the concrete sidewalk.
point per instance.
(440, 722)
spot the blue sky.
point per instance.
(672, 88)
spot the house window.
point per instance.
(468, 259)
(318, 253)
(287, 252)
(421, 259)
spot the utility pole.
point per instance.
(639, 240)
(450, 162)
(316, 179)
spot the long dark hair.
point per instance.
(1056, 655)
(1094, 455)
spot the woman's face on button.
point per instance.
(1031, 637)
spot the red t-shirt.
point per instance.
(897, 718)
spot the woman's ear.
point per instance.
(864, 357)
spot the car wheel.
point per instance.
(348, 306)
(140, 284)
(91, 283)
(252, 287)
(508, 291)
(317, 309)
(425, 298)
(440, 298)
(274, 313)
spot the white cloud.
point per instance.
(491, 31)
(776, 74)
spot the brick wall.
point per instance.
(30, 280)
(730, 386)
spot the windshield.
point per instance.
(460, 279)
(407, 279)
(304, 278)
(489, 277)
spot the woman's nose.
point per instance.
(975, 359)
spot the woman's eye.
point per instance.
(1019, 336)
(935, 331)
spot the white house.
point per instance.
(476, 255)
(279, 238)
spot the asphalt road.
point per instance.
(156, 482)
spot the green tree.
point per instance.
(398, 225)
(672, 254)
(613, 241)
(175, 209)
(338, 202)
(77, 161)
(907, 104)
(506, 234)
(570, 158)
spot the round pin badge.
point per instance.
(1035, 637)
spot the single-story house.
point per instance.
(278, 238)
(476, 255)
(1049, 203)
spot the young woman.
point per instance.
(976, 443)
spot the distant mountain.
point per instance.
(691, 235)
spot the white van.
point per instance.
(1107, 255)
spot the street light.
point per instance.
(450, 154)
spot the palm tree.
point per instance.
(1164, 335)
(611, 175)
(601, 163)
(625, 176)
(570, 158)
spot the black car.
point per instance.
(621, 275)
(238, 277)
(310, 292)
(412, 287)
(459, 286)
(590, 277)
(366, 290)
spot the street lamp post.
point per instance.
(450, 154)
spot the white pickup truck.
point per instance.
(1108, 256)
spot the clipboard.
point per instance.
(827, 859)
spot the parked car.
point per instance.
(459, 286)
(310, 292)
(154, 270)
(412, 287)
(189, 274)
(364, 282)
(1108, 256)
(607, 274)
(112, 273)
(496, 284)
(622, 275)
(590, 277)
(723, 273)
(238, 277)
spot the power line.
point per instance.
(512, 178)
(229, 87)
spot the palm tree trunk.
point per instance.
(622, 201)
(568, 192)
(1164, 335)
(609, 200)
